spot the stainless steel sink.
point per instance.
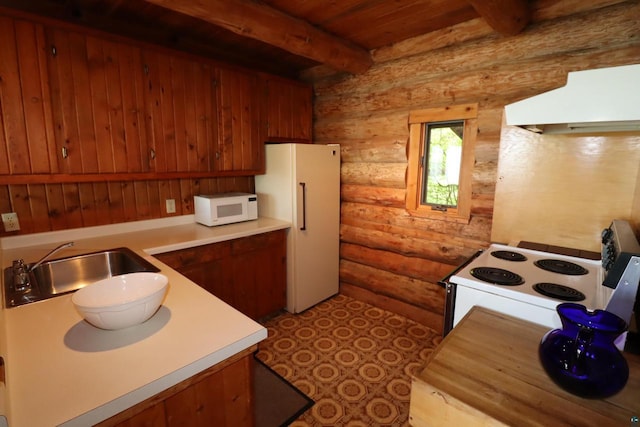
(60, 276)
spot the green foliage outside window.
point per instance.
(442, 160)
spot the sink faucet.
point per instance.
(20, 276)
(21, 270)
(47, 256)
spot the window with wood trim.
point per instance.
(441, 147)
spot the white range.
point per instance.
(509, 280)
(529, 284)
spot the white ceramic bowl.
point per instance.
(121, 301)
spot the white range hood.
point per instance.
(593, 101)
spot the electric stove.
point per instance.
(528, 284)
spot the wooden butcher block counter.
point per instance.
(486, 372)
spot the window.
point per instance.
(441, 164)
(441, 143)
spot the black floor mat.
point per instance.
(277, 402)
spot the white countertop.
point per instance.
(61, 370)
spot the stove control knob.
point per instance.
(607, 262)
(608, 255)
(606, 235)
(610, 252)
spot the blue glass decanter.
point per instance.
(582, 357)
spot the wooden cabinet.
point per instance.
(129, 109)
(27, 142)
(239, 123)
(288, 110)
(179, 112)
(206, 265)
(219, 396)
(82, 106)
(97, 100)
(247, 273)
(122, 109)
(259, 273)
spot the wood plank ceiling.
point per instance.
(283, 37)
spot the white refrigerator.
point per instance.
(302, 185)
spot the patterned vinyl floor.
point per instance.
(354, 360)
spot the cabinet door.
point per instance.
(223, 399)
(259, 285)
(207, 266)
(96, 88)
(289, 110)
(220, 396)
(213, 277)
(259, 274)
(151, 416)
(27, 143)
(121, 109)
(179, 108)
(240, 131)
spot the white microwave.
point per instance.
(225, 208)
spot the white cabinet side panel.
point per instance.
(275, 199)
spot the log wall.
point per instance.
(394, 260)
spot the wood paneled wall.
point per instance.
(50, 207)
(73, 89)
(388, 257)
(575, 185)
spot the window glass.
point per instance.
(443, 149)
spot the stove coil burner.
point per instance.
(497, 276)
(561, 292)
(561, 267)
(509, 256)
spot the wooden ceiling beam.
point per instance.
(507, 17)
(269, 25)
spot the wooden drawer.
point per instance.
(257, 242)
(196, 255)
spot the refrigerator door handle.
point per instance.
(304, 205)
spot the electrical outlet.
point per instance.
(10, 221)
(171, 205)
